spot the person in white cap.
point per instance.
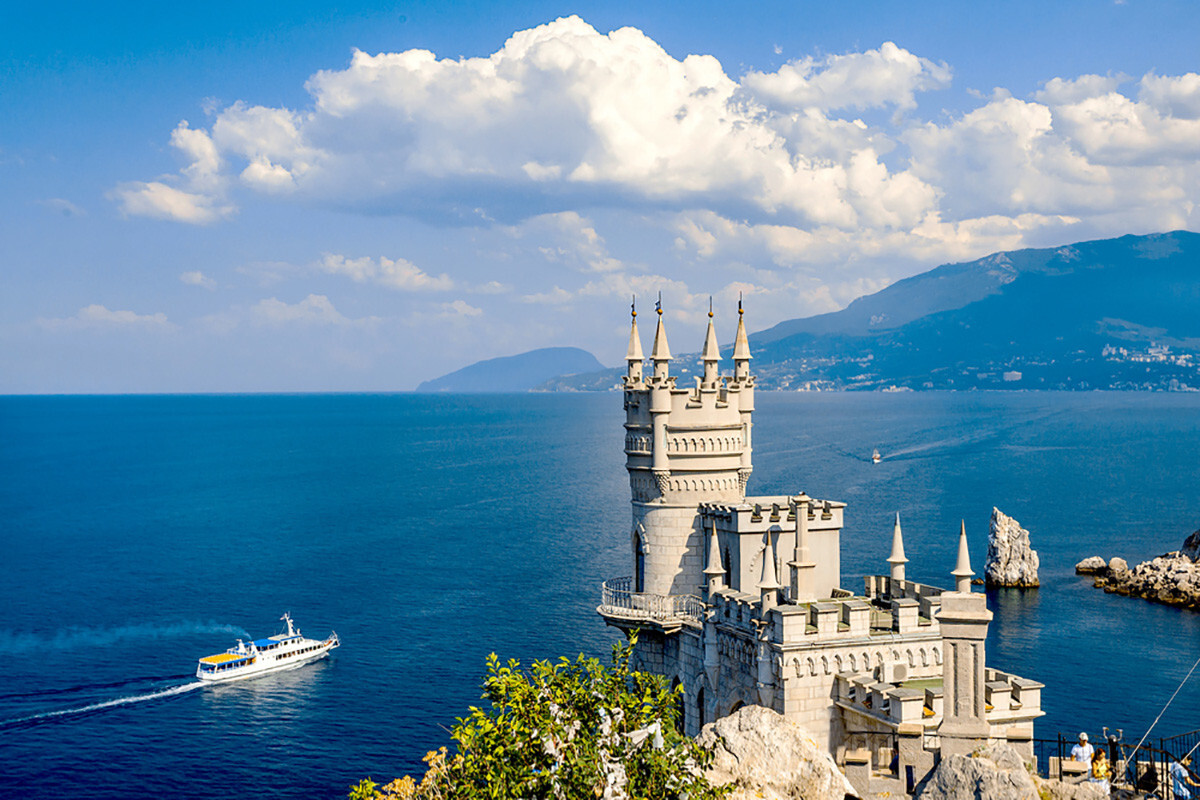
(1082, 752)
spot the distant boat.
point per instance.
(284, 651)
(875, 457)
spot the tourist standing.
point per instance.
(1181, 780)
(1083, 751)
(1100, 770)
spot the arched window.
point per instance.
(680, 707)
(639, 563)
(700, 706)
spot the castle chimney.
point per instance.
(897, 559)
(803, 567)
(633, 356)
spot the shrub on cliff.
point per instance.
(564, 730)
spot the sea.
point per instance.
(138, 533)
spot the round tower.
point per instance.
(683, 446)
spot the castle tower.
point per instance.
(964, 620)
(683, 446)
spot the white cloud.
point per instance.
(392, 273)
(769, 175)
(459, 309)
(160, 201)
(889, 76)
(562, 114)
(312, 310)
(98, 317)
(197, 278)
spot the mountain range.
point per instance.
(1110, 314)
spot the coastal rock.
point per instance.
(1090, 566)
(1060, 790)
(1172, 578)
(1011, 561)
(765, 756)
(993, 773)
(1191, 546)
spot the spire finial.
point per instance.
(962, 570)
(710, 306)
(739, 304)
(633, 307)
(658, 305)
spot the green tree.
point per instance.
(564, 730)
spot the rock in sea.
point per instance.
(1011, 561)
(765, 756)
(1090, 566)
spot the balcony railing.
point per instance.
(621, 602)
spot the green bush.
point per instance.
(564, 730)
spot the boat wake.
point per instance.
(71, 638)
(34, 719)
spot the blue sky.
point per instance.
(291, 197)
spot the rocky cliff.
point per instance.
(762, 755)
(1011, 560)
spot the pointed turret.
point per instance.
(633, 356)
(741, 348)
(714, 572)
(712, 353)
(661, 354)
(768, 584)
(897, 559)
(962, 570)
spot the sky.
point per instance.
(242, 197)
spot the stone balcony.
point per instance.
(624, 608)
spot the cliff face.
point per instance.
(1011, 560)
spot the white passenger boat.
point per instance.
(875, 457)
(284, 651)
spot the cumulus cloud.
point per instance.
(769, 173)
(393, 273)
(98, 317)
(889, 76)
(563, 114)
(197, 278)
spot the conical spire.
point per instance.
(962, 570)
(897, 559)
(712, 351)
(741, 344)
(769, 582)
(661, 351)
(634, 353)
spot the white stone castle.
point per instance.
(740, 599)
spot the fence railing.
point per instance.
(619, 600)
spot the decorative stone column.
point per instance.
(964, 622)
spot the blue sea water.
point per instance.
(138, 533)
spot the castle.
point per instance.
(740, 599)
